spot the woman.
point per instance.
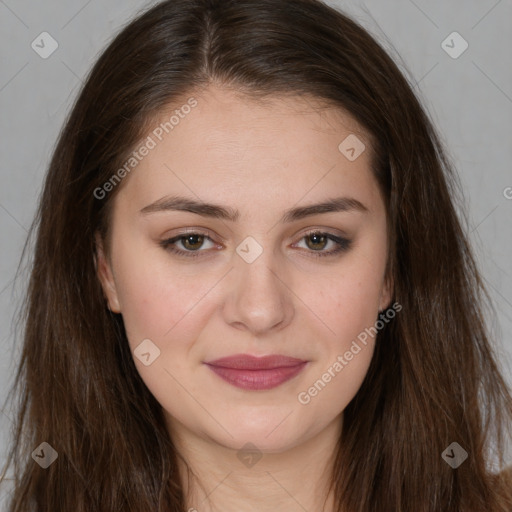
(250, 288)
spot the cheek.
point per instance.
(331, 388)
(157, 305)
(346, 298)
(348, 307)
(167, 310)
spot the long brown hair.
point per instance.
(433, 379)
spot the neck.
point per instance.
(223, 479)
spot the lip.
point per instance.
(248, 362)
(257, 373)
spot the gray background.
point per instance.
(469, 99)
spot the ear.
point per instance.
(106, 276)
(386, 294)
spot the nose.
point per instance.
(259, 299)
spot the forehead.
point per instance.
(232, 146)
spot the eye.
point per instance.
(316, 241)
(190, 241)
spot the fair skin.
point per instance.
(260, 160)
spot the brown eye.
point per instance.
(192, 242)
(318, 241)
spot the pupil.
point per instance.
(192, 237)
(317, 237)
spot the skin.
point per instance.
(260, 159)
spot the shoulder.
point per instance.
(503, 479)
(506, 474)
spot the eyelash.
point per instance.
(343, 244)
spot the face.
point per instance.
(263, 274)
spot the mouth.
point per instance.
(257, 373)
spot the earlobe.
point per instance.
(105, 276)
(386, 295)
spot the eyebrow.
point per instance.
(178, 203)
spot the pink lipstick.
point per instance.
(257, 373)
